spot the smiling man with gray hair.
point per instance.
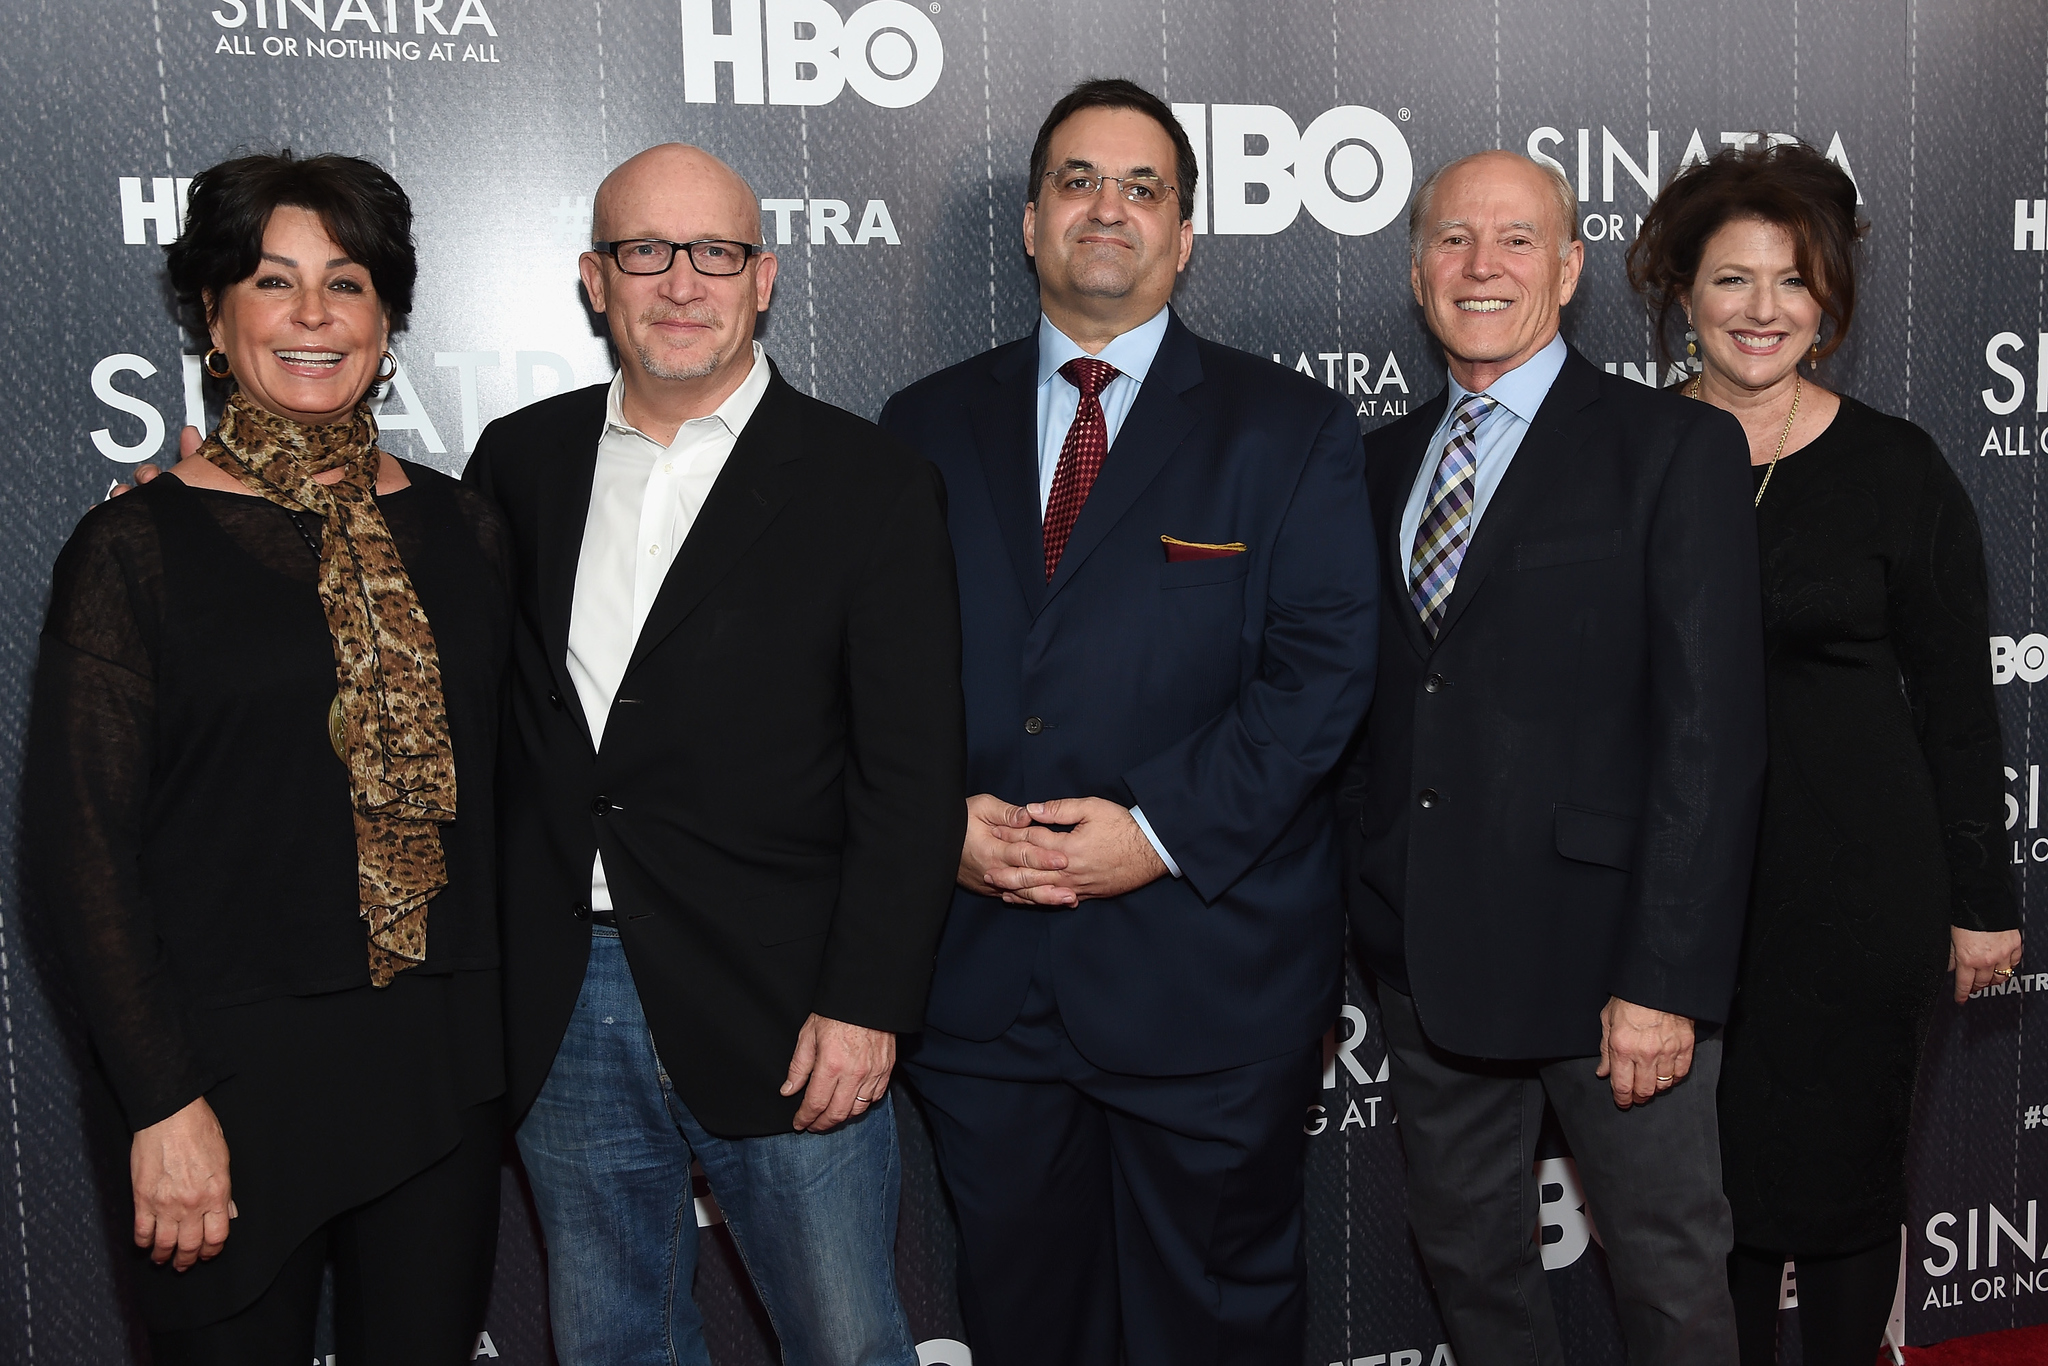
(1552, 808)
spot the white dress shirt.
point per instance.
(1519, 393)
(644, 498)
(1059, 400)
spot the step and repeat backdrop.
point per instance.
(888, 141)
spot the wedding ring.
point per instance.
(2001, 972)
(1667, 1079)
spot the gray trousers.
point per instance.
(1652, 1176)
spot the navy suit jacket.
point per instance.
(1217, 694)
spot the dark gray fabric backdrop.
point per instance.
(889, 142)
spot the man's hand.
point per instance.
(1976, 958)
(179, 1168)
(846, 1067)
(1642, 1051)
(1104, 854)
(189, 442)
(992, 824)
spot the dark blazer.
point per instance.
(1217, 694)
(778, 792)
(1556, 802)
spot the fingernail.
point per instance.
(1036, 808)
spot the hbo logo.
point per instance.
(1349, 168)
(2025, 658)
(888, 52)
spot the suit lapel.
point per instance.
(1532, 474)
(748, 493)
(1150, 433)
(1005, 426)
(1393, 504)
(564, 509)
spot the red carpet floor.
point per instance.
(2019, 1347)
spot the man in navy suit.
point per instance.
(1167, 582)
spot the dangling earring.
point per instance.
(225, 370)
(386, 376)
(1692, 349)
(1813, 356)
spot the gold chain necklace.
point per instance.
(1798, 383)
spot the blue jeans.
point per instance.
(608, 1147)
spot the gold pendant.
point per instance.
(337, 729)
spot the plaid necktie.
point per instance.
(1080, 456)
(1446, 526)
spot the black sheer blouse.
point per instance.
(190, 833)
(188, 822)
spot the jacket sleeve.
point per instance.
(1220, 797)
(480, 472)
(1704, 624)
(905, 768)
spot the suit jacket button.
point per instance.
(1434, 683)
(601, 806)
(555, 700)
(1427, 797)
(1033, 725)
(581, 910)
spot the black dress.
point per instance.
(190, 832)
(1883, 820)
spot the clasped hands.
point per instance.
(1010, 852)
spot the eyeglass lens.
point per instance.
(651, 257)
(1082, 185)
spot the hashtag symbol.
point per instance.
(2033, 1120)
(572, 217)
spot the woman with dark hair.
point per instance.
(1879, 860)
(261, 678)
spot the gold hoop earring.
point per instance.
(225, 370)
(386, 376)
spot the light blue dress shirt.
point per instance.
(1058, 401)
(1520, 393)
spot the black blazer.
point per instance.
(778, 792)
(1556, 802)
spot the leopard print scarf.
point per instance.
(390, 723)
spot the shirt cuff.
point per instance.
(1138, 815)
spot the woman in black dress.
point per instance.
(1879, 862)
(259, 799)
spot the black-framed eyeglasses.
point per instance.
(1071, 182)
(652, 256)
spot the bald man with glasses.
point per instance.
(731, 796)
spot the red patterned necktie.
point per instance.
(1080, 457)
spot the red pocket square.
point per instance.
(1178, 550)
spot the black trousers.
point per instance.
(1110, 1219)
(1844, 1303)
(412, 1273)
(1652, 1176)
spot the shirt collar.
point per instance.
(738, 407)
(1521, 390)
(1131, 352)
